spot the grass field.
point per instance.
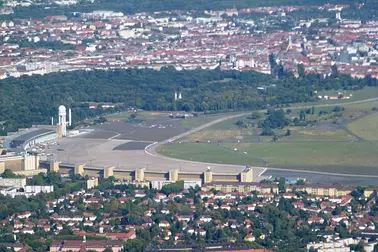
(326, 147)
(322, 156)
(367, 127)
(223, 131)
(207, 152)
(313, 135)
(197, 121)
(357, 95)
(125, 115)
(190, 122)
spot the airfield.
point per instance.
(132, 145)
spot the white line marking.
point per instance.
(261, 173)
(110, 138)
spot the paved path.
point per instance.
(151, 149)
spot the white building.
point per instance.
(192, 183)
(158, 184)
(36, 189)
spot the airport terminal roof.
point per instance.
(29, 135)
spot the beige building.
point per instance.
(322, 190)
(91, 245)
(242, 187)
(92, 183)
(12, 182)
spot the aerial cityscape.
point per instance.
(234, 126)
(229, 39)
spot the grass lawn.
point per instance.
(367, 127)
(223, 131)
(205, 152)
(365, 93)
(308, 134)
(362, 106)
(314, 153)
(193, 122)
(342, 157)
(125, 115)
(213, 135)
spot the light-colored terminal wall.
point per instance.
(31, 163)
(13, 163)
(189, 176)
(141, 174)
(20, 163)
(30, 172)
(124, 174)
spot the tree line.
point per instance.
(34, 99)
(134, 6)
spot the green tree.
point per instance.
(173, 187)
(9, 174)
(302, 116)
(375, 248)
(241, 124)
(255, 115)
(275, 119)
(135, 245)
(288, 132)
(275, 138)
(108, 249)
(301, 70)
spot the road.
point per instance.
(151, 149)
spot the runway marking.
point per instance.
(149, 153)
(261, 173)
(110, 138)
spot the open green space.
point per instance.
(207, 152)
(126, 115)
(314, 135)
(356, 95)
(328, 145)
(339, 157)
(193, 122)
(366, 127)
